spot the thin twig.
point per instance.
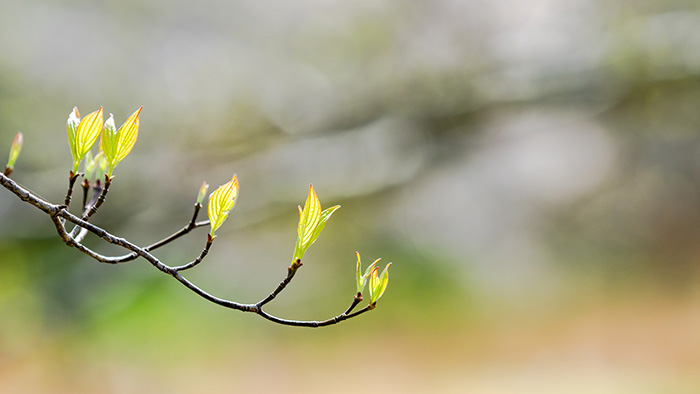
(193, 224)
(86, 189)
(291, 271)
(199, 258)
(96, 191)
(71, 182)
(60, 212)
(100, 200)
(313, 324)
(189, 227)
(356, 300)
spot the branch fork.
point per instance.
(115, 144)
(60, 215)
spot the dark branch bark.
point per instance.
(291, 271)
(58, 213)
(100, 200)
(199, 259)
(71, 182)
(86, 189)
(313, 324)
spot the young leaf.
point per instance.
(71, 128)
(85, 135)
(117, 144)
(377, 284)
(128, 133)
(362, 278)
(109, 143)
(311, 222)
(202, 192)
(371, 267)
(15, 149)
(221, 201)
(309, 216)
(325, 215)
(94, 167)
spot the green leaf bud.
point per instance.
(202, 192)
(15, 149)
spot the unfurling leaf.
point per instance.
(221, 201)
(15, 149)
(309, 216)
(128, 133)
(202, 192)
(311, 222)
(116, 144)
(377, 284)
(95, 167)
(72, 128)
(82, 137)
(110, 140)
(325, 215)
(362, 278)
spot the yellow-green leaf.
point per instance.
(373, 284)
(325, 215)
(221, 201)
(15, 149)
(311, 222)
(202, 192)
(88, 131)
(378, 284)
(128, 133)
(86, 135)
(71, 128)
(109, 142)
(360, 278)
(117, 144)
(94, 167)
(309, 216)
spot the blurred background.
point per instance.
(531, 168)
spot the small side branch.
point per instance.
(219, 301)
(71, 182)
(26, 196)
(312, 324)
(356, 300)
(291, 271)
(199, 258)
(193, 224)
(189, 227)
(86, 188)
(100, 200)
(59, 214)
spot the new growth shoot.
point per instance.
(115, 145)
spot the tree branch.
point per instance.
(193, 224)
(291, 271)
(86, 188)
(57, 213)
(199, 259)
(100, 200)
(313, 324)
(71, 182)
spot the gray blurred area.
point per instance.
(531, 168)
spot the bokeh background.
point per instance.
(531, 168)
